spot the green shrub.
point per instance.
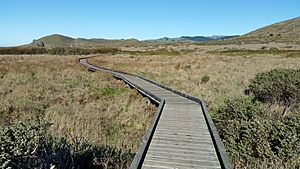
(244, 108)
(29, 145)
(20, 141)
(112, 91)
(278, 86)
(254, 141)
(205, 79)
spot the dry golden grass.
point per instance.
(228, 75)
(101, 109)
(94, 106)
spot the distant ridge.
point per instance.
(289, 27)
(57, 40)
(191, 39)
(208, 38)
(286, 31)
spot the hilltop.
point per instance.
(57, 40)
(289, 27)
(285, 31)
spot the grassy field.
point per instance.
(78, 103)
(228, 74)
(216, 76)
(94, 106)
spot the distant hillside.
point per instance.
(166, 40)
(196, 38)
(286, 28)
(64, 41)
(207, 38)
(221, 37)
(286, 31)
(57, 41)
(190, 39)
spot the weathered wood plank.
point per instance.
(179, 115)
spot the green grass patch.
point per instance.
(112, 91)
(205, 79)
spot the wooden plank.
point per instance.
(179, 124)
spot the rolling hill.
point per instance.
(207, 38)
(285, 31)
(57, 40)
(190, 39)
(286, 28)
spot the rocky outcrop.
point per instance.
(37, 43)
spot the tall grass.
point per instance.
(77, 103)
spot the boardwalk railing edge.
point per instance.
(220, 149)
(139, 157)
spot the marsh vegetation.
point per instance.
(67, 103)
(55, 113)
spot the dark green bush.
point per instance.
(205, 79)
(20, 141)
(254, 141)
(278, 86)
(28, 145)
(243, 108)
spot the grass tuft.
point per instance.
(111, 91)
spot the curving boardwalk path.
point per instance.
(181, 134)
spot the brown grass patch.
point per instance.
(78, 103)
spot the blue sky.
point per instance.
(24, 20)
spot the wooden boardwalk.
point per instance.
(181, 134)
